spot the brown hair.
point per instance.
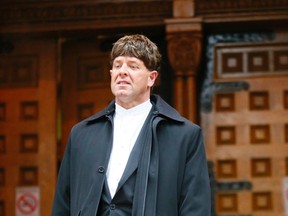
(138, 46)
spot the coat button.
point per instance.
(112, 206)
(101, 169)
(156, 112)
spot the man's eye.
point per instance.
(117, 66)
(134, 66)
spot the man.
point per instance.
(138, 156)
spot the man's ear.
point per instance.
(152, 78)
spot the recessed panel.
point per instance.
(227, 202)
(281, 60)
(261, 167)
(84, 110)
(262, 201)
(260, 134)
(28, 175)
(226, 135)
(29, 143)
(225, 102)
(258, 62)
(93, 72)
(259, 101)
(226, 169)
(29, 110)
(19, 71)
(24, 71)
(232, 63)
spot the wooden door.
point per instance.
(246, 132)
(28, 125)
(85, 82)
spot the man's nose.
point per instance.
(123, 70)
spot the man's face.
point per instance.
(131, 81)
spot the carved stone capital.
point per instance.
(184, 51)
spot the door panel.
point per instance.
(85, 82)
(246, 130)
(28, 122)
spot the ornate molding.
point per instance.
(55, 12)
(184, 50)
(212, 7)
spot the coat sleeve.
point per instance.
(196, 193)
(61, 203)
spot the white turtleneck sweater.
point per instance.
(127, 126)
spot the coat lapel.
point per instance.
(132, 163)
(133, 160)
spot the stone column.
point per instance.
(184, 36)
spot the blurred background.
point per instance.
(225, 67)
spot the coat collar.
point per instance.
(161, 108)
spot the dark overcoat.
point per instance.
(172, 168)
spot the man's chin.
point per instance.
(122, 95)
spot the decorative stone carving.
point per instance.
(184, 50)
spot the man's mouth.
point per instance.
(122, 83)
